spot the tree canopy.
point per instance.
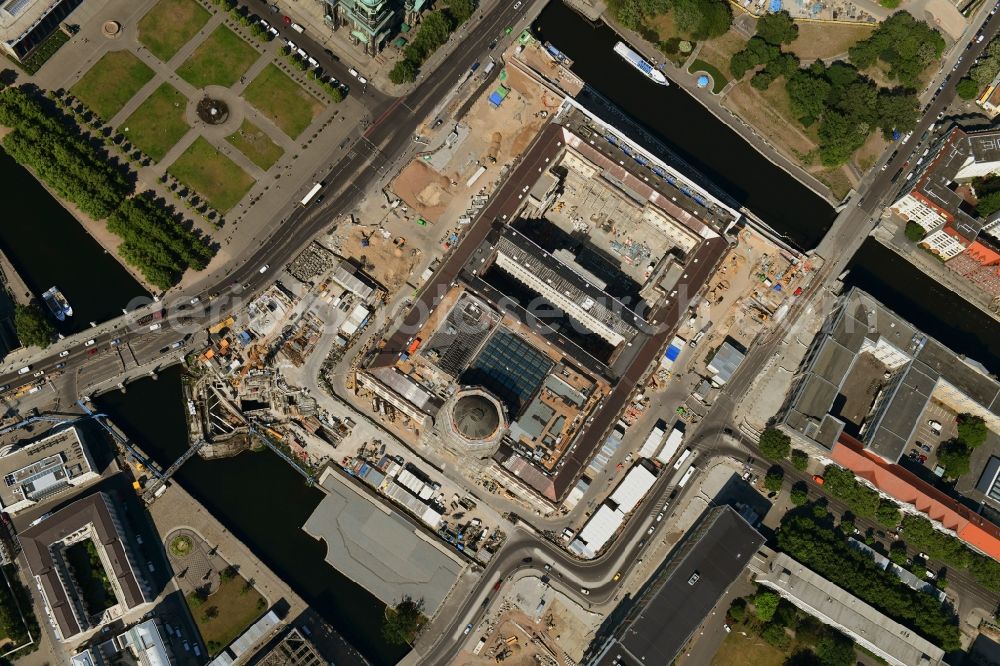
(403, 622)
(967, 88)
(33, 329)
(777, 28)
(765, 604)
(774, 444)
(920, 533)
(697, 19)
(800, 459)
(816, 544)
(954, 455)
(907, 45)
(774, 478)
(972, 429)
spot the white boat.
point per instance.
(637, 61)
(58, 304)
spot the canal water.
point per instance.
(261, 500)
(685, 126)
(49, 247)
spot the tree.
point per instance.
(888, 514)
(775, 634)
(897, 552)
(404, 71)
(807, 95)
(701, 19)
(33, 329)
(972, 430)
(765, 604)
(967, 88)
(799, 493)
(403, 622)
(954, 456)
(896, 111)
(914, 231)
(800, 459)
(904, 43)
(737, 609)
(774, 478)
(777, 28)
(835, 649)
(211, 612)
(774, 444)
(461, 10)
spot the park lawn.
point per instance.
(739, 650)
(112, 82)
(282, 100)
(238, 607)
(213, 175)
(770, 112)
(169, 25)
(253, 142)
(158, 123)
(719, 50)
(219, 60)
(827, 40)
(719, 79)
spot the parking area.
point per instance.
(937, 424)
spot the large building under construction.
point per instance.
(530, 338)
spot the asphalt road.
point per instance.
(371, 157)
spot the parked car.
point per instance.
(935, 426)
(64, 353)
(694, 578)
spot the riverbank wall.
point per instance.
(712, 103)
(889, 234)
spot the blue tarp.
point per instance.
(495, 99)
(673, 353)
(775, 5)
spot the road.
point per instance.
(371, 158)
(844, 238)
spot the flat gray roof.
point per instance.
(42, 468)
(834, 606)
(860, 325)
(670, 609)
(380, 548)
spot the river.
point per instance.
(685, 126)
(48, 246)
(261, 500)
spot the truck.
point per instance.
(673, 351)
(684, 456)
(654, 440)
(479, 646)
(671, 446)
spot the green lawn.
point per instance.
(170, 25)
(236, 606)
(158, 123)
(256, 145)
(719, 79)
(282, 100)
(112, 82)
(219, 60)
(213, 175)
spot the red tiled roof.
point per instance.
(908, 488)
(983, 254)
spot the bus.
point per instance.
(684, 457)
(310, 194)
(687, 476)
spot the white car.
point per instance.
(263, 269)
(25, 370)
(89, 343)
(38, 374)
(935, 426)
(362, 80)
(584, 591)
(64, 353)
(353, 72)
(154, 327)
(195, 300)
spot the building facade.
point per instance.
(371, 23)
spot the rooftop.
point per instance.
(380, 548)
(717, 548)
(834, 606)
(41, 469)
(40, 544)
(916, 366)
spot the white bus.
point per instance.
(684, 456)
(687, 476)
(313, 191)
